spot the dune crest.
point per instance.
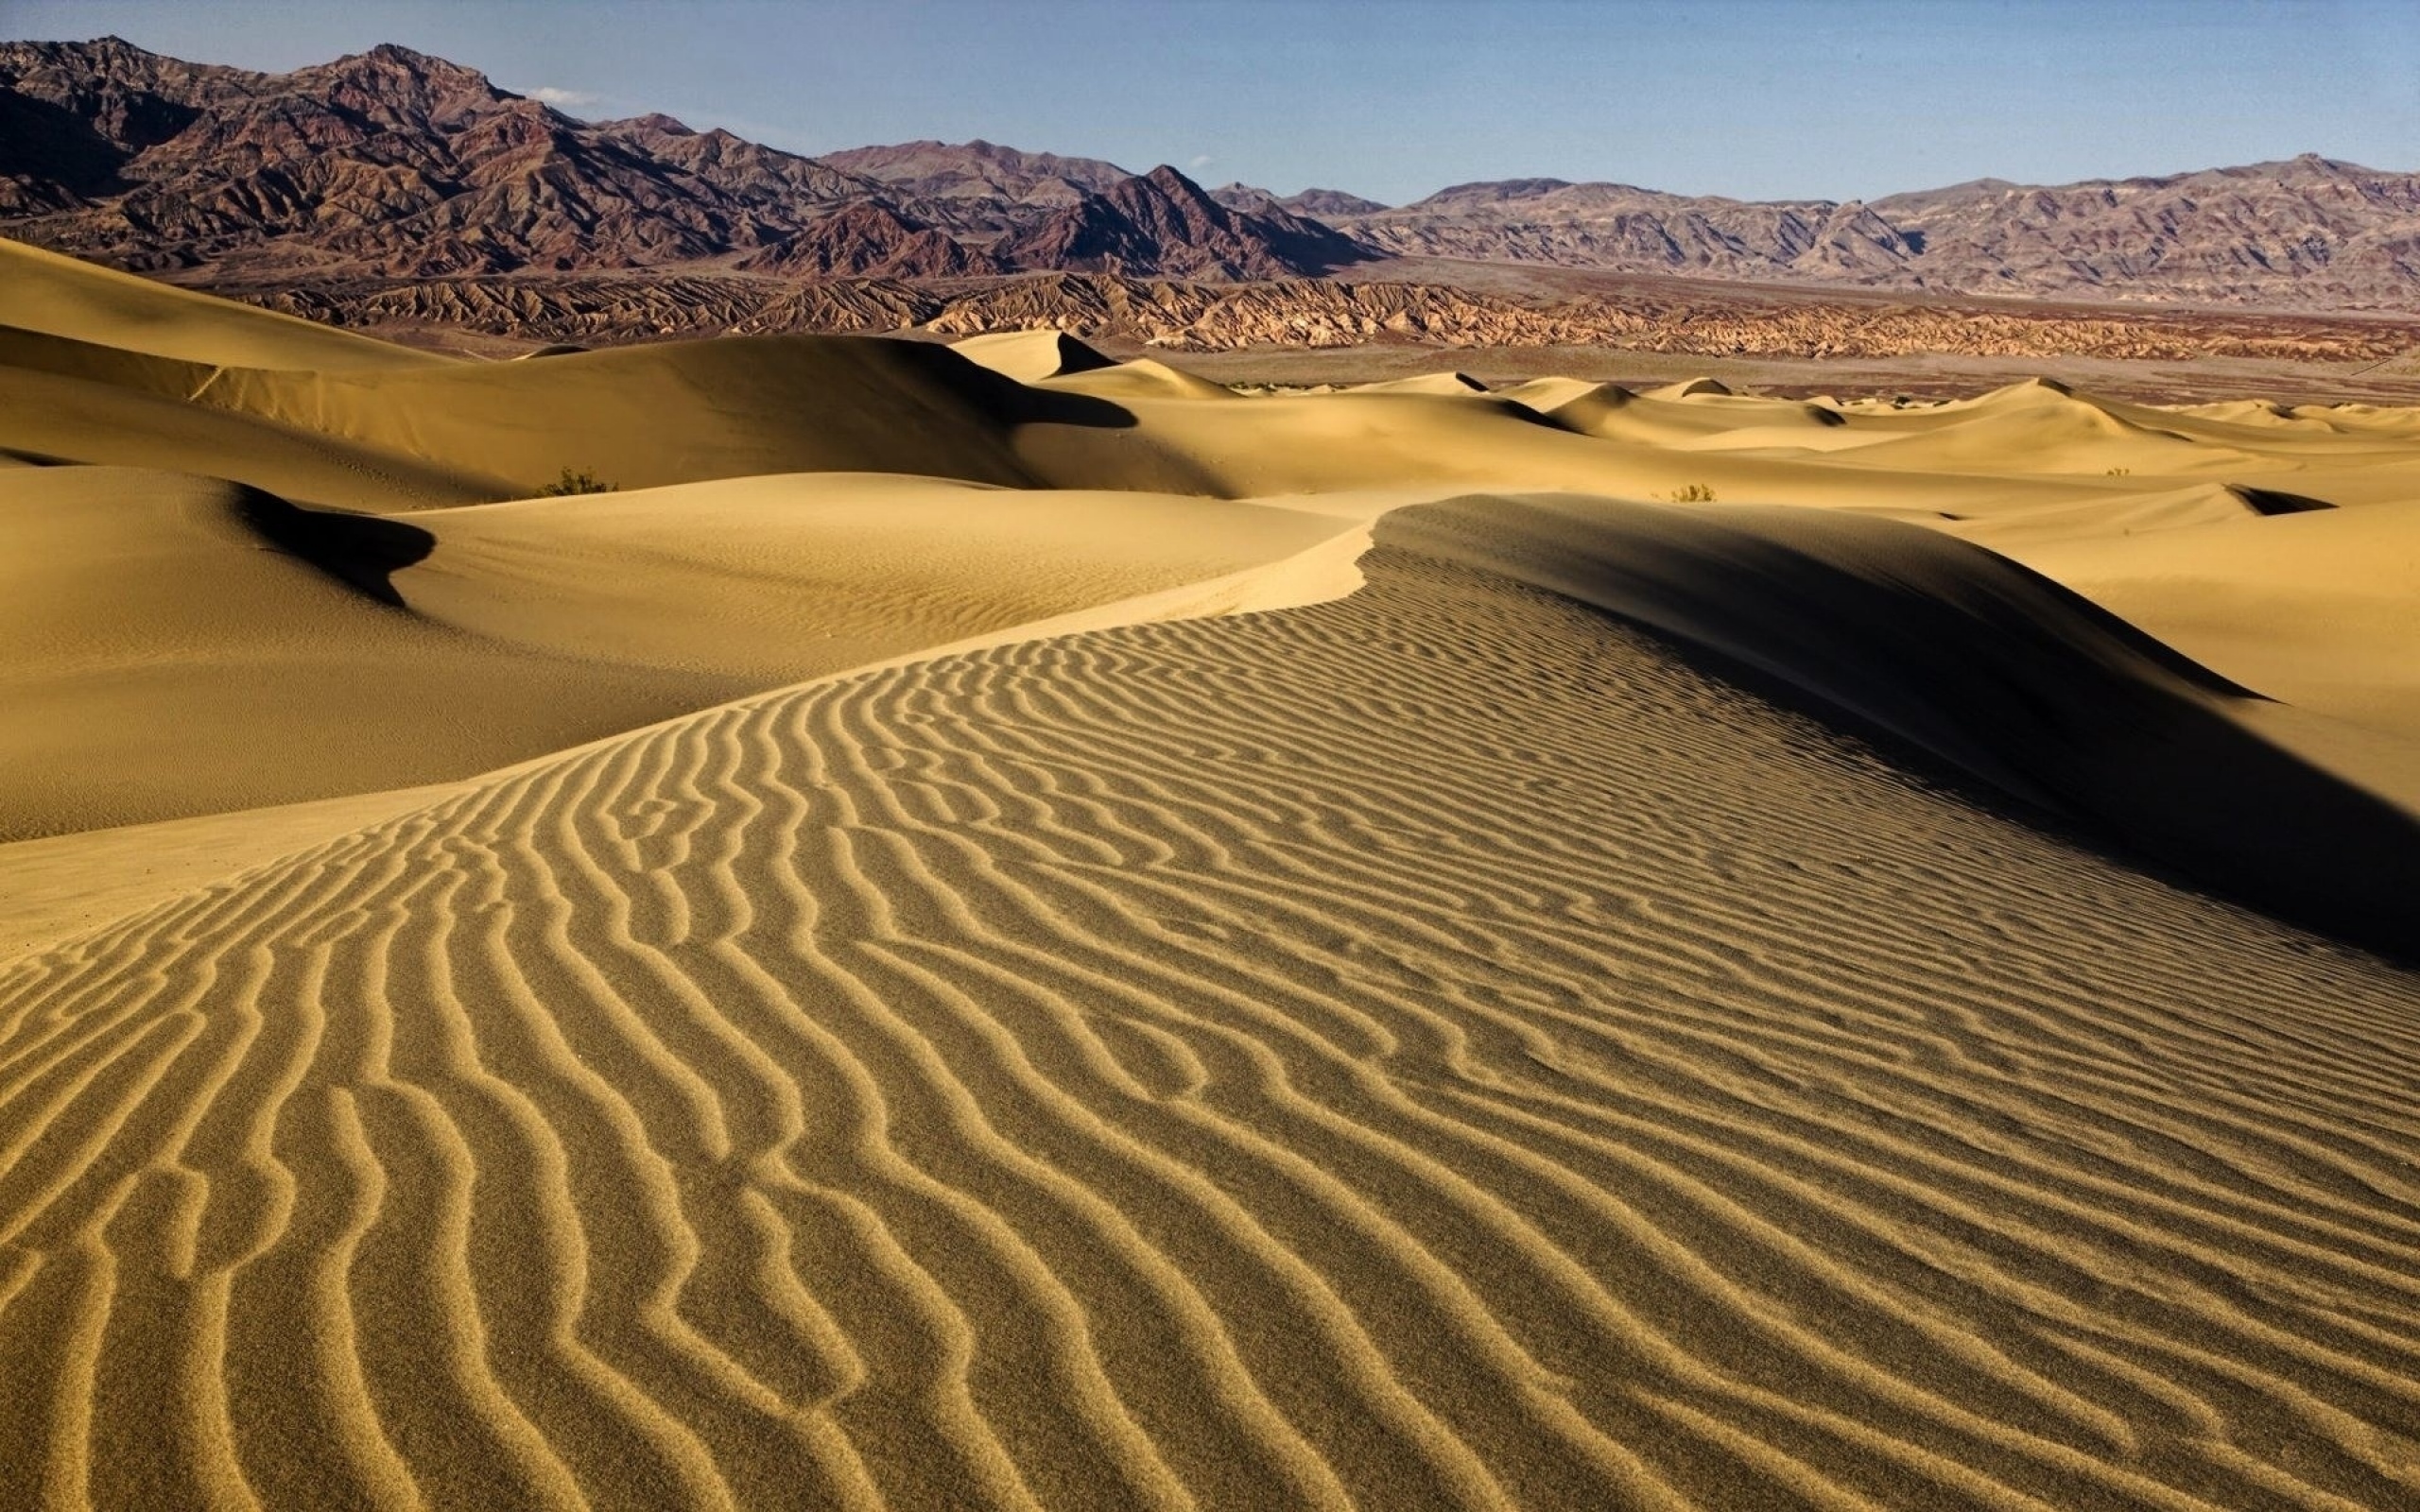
(1030, 355)
(1997, 670)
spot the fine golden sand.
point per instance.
(999, 929)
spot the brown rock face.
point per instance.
(1318, 205)
(1327, 204)
(984, 185)
(2310, 232)
(1614, 226)
(2313, 229)
(1163, 222)
(869, 240)
(388, 162)
(397, 163)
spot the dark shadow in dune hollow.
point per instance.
(361, 551)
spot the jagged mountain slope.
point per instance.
(394, 162)
(1322, 204)
(1205, 315)
(388, 160)
(2311, 231)
(871, 240)
(991, 183)
(1163, 222)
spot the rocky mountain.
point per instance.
(870, 239)
(2311, 231)
(395, 162)
(1163, 222)
(1243, 197)
(2330, 231)
(390, 160)
(1327, 204)
(1617, 227)
(1319, 204)
(989, 184)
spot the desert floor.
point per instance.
(998, 928)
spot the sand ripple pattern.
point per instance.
(1430, 1050)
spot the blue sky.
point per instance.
(1756, 99)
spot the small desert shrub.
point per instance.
(2119, 471)
(1691, 493)
(582, 481)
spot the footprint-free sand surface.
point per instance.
(1001, 930)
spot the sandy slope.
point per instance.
(2004, 674)
(971, 940)
(183, 647)
(1435, 1049)
(64, 402)
(44, 291)
(57, 888)
(2315, 607)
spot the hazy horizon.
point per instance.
(1749, 99)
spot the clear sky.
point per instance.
(1756, 99)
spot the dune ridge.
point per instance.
(303, 654)
(2000, 672)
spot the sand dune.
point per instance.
(2315, 609)
(1433, 383)
(683, 412)
(55, 411)
(283, 655)
(783, 577)
(2003, 674)
(55, 888)
(1140, 379)
(1001, 929)
(1280, 1061)
(1029, 356)
(45, 292)
(168, 659)
(1614, 413)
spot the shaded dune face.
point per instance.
(2003, 673)
(1436, 1048)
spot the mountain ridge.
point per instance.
(1163, 222)
(2307, 229)
(394, 162)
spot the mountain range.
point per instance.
(2309, 231)
(394, 164)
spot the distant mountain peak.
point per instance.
(395, 52)
(389, 57)
(1325, 204)
(1163, 222)
(930, 168)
